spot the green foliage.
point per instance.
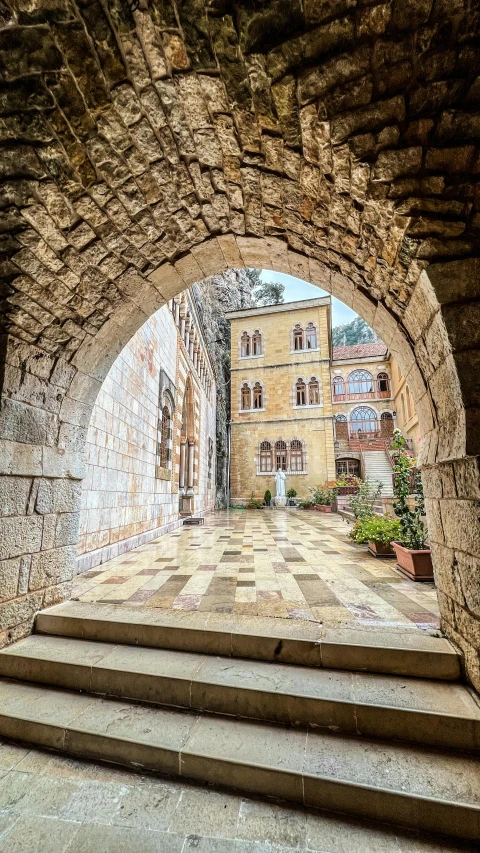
(254, 276)
(362, 504)
(267, 496)
(375, 528)
(322, 495)
(343, 480)
(355, 332)
(398, 441)
(253, 503)
(413, 532)
(291, 493)
(270, 293)
(306, 504)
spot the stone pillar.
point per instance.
(191, 460)
(183, 448)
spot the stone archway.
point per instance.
(144, 151)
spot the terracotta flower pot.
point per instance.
(416, 565)
(379, 549)
(323, 508)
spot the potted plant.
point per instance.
(306, 504)
(378, 531)
(267, 497)
(290, 495)
(322, 498)
(414, 558)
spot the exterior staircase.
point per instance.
(370, 724)
(377, 467)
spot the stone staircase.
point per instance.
(377, 467)
(367, 723)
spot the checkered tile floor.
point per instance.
(292, 565)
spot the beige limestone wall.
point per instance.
(406, 418)
(124, 503)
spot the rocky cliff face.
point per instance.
(213, 297)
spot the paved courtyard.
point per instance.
(285, 564)
(55, 804)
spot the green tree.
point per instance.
(270, 293)
(254, 276)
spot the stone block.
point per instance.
(445, 389)
(66, 530)
(434, 520)
(467, 477)
(27, 424)
(20, 610)
(63, 463)
(71, 437)
(52, 567)
(58, 495)
(454, 281)
(448, 573)
(57, 593)
(432, 482)
(20, 459)
(9, 574)
(167, 281)
(14, 492)
(20, 535)
(461, 525)
(421, 307)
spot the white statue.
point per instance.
(280, 483)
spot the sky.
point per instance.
(295, 288)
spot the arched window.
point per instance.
(165, 438)
(246, 397)
(257, 343)
(311, 336)
(297, 337)
(386, 424)
(265, 456)
(409, 403)
(280, 455)
(360, 384)
(245, 344)
(347, 467)
(300, 393)
(402, 403)
(338, 388)
(363, 421)
(313, 392)
(296, 455)
(341, 427)
(383, 385)
(257, 396)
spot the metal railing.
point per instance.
(363, 390)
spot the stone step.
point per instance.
(405, 652)
(383, 706)
(417, 787)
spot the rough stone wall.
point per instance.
(142, 152)
(213, 297)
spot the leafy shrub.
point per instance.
(413, 532)
(291, 493)
(375, 528)
(362, 504)
(305, 504)
(267, 496)
(322, 495)
(253, 503)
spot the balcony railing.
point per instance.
(378, 389)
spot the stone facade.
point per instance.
(128, 497)
(283, 417)
(143, 151)
(406, 414)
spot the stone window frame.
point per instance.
(251, 332)
(167, 397)
(303, 327)
(307, 405)
(273, 443)
(250, 384)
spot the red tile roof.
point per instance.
(359, 351)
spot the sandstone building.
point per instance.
(281, 408)
(314, 411)
(150, 449)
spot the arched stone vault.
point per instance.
(336, 141)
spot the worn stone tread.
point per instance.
(281, 640)
(409, 709)
(421, 787)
